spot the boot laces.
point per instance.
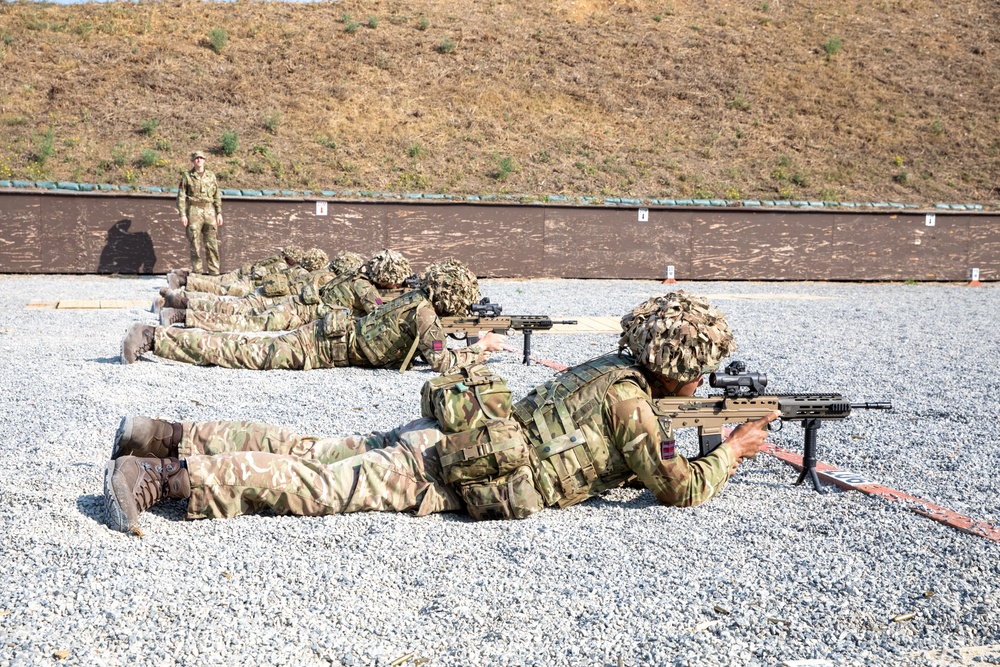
(151, 486)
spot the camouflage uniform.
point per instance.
(240, 287)
(240, 467)
(353, 291)
(200, 200)
(257, 301)
(378, 340)
(200, 282)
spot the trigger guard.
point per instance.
(775, 426)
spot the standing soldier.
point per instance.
(200, 205)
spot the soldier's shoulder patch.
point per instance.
(667, 449)
(438, 345)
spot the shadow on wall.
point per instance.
(127, 252)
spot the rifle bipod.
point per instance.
(809, 455)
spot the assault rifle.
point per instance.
(488, 316)
(743, 399)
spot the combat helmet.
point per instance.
(292, 254)
(346, 261)
(452, 287)
(677, 335)
(387, 268)
(314, 259)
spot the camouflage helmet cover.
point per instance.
(314, 259)
(387, 268)
(678, 335)
(451, 286)
(293, 254)
(346, 261)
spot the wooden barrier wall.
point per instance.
(57, 232)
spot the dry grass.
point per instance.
(673, 98)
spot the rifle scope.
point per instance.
(485, 308)
(737, 382)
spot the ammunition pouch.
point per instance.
(465, 399)
(275, 285)
(491, 467)
(309, 295)
(337, 322)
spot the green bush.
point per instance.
(505, 168)
(119, 155)
(149, 126)
(447, 46)
(218, 37)
(148, 158)
(271, 121)
(423, 23)
(832, 46)
(230, 141)
(45, 148)
(415, 150)
(372, 22)
(351, 27)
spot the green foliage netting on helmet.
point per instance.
(346, 261)
(452, 287)
(679, 335)
(314, 259)
(387, 268)
(293, 254)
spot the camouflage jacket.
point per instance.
(348, 290)
(594, 426)
(385, 336)
(198, 189)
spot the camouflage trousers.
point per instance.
(238, 287)
(241, 467)
(201, 230)
(290, 313)
(303, 349)
(253, 303)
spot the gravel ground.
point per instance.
(618, 580)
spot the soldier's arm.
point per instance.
(639, 436)
(433, 346)
(217, 196)
(182, 196)
(366, 294)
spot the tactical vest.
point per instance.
(339, 292)
(386, 334)
(564, 421)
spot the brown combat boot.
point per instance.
(170, 316)
(157, 306)
(175, 298)
(142, 436)
(177, 279)
(139, 339)
(133, 484)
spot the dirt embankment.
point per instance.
(800, 99)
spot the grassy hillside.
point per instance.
(804, 99)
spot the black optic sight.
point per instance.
(737, 382)
(486, 308)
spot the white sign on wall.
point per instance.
(643, 215)
(321, 208)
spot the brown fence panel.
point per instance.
(613, 243)
(503, 241)
(97, 232)
(899, 247)
(768, 245)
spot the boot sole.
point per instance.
(124, 432)
(116, 518)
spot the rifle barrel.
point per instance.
(880, 405)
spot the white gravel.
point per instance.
(617, 580)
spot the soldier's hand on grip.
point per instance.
(747, 439)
